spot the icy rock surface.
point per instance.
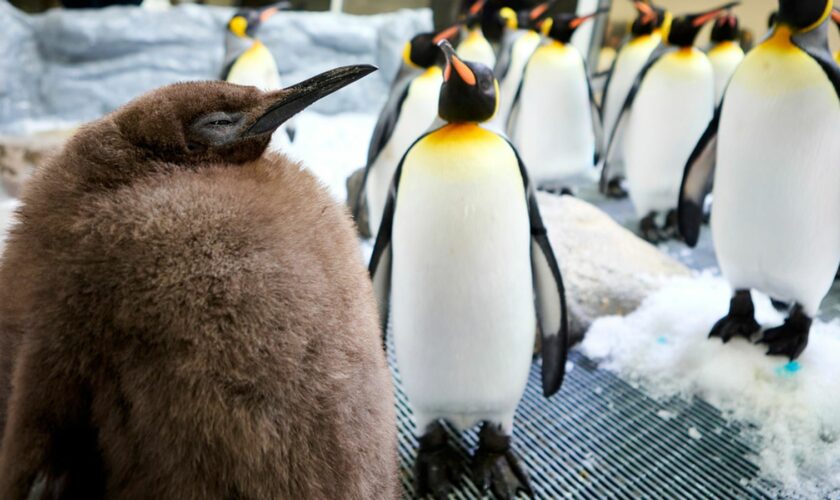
(794, 407)
(78, 65)
(607, 270)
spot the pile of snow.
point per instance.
(794, 407)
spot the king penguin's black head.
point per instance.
(562, 26)
(422, 51)
(246, 22)
(726, 29)
(469, 92)
(528, 19)
(647, 19)
(804, 15)
(684, 29)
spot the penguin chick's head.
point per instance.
(684, 29)
(561, 27)
(190, 124)
(469, 92)
(246, 22)
(804, 15)
(725, 29)
(647, 19)
(422, 51)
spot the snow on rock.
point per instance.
(794, 407)
(606, 269)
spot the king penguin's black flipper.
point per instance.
(697, 182)
(621, 121)
(597, 121)
(550, 295)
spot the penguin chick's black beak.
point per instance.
(701, 19)
(292, 100)
(453, 62)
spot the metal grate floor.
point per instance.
(599, 437)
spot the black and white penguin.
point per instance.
(519, 41)
(555, 122)
(461, 260)
(726, 53)
(667, 109)
(409, 112)
(773, 153)
(646, 34)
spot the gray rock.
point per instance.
(74, 66)
(607, 269)
(21, 155)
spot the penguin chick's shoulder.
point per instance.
(208, 319)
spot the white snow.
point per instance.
(795, 407)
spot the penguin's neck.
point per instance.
(781, 39)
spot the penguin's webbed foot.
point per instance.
(671, 228)
(436, 469)
(615, 190)
(496, 467)
(649, 231)
(791, 338)
(740, 322)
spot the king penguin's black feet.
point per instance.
(615, 190)
(740, 322)
(650, 230)
(437, 467)
(496, 467)
(791, 338)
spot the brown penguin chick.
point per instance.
(186, 316)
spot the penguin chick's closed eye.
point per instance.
(192, 310)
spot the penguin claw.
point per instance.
(497, 468)
(436, 470)
(615, 190)
(733, 326)
(791, 338)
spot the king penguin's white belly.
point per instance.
(476, 48)
(462, 291)
(629, 63)
(521, 52)
(725, 58)
(670, 114)
(777, 182)
(418, 111)
(554, 126)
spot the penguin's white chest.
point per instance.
(256, 67)
(418, 111)
(476, 48)
(463, 315)
(777, 181)
(553, 132)
(672, 110)
(521, 52)
(725, 58)
(629, 63)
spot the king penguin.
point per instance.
(773, 155)
(835, 16)
(190, 319)
(409, 112)
(248, 62)
(555, 123)
(475, 46)
(665, 113)
(725, 53)
(519, 41)
(463, 262)
(646, 34)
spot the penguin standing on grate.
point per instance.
(773, 154)
(460, 261)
